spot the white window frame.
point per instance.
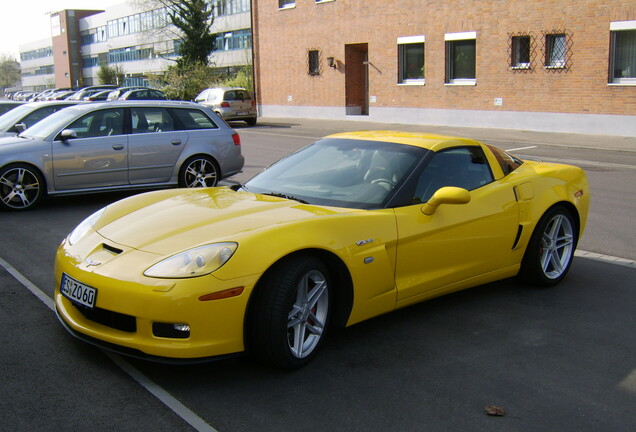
(617, 26)
(406, 40)
(287, 5)
(451, 37)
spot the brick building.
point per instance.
(545, 65)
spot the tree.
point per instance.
(9, 72)
(110, 74)
(194, 19)
(188, 22)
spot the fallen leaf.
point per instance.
(493, 410)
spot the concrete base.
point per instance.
(594, 124)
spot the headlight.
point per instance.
(194, 262)
(84, 227)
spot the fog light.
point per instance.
(171, 330)
(182, 327)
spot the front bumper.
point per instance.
(216, 326)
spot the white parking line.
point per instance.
(166, 398)
(521, 148)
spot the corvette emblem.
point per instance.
(90, 262)
(363, 242)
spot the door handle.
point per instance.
(176, 142)
(118, 147)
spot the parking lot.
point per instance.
(558, 359)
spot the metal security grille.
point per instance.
(522, 51)
(557, 50)
(313, 62)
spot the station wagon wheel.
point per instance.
(290, 313)
(21, 187)
(199, 171)
(551, 248)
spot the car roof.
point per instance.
(132, 103)
(423, 140)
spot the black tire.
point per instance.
(551, 248)
(251, 121)
(199, 171)
(289, 314)
(21, 187)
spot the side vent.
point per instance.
(516, 242)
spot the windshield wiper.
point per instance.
(289, 197)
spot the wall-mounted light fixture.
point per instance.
(331, 62)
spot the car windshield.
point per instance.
(14, 116)
(340, 173)
(51, 124)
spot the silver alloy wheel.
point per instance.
(557, 246)
(307, 319)
(200, 173)
(19, 188)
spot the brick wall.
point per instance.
(283, 38)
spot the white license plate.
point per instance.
(77, 292)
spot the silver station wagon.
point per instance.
(113, 146)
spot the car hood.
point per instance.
(167, 222)
(7, 140)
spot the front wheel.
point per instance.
(290, 313)
(199, 171)
(551, 248)
(21, 187)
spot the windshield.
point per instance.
(12, 117)
(52, 124)
(340, 173)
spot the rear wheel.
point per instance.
(290, 313)
(21, 187)
(199, 171)
(551, 248)
(251, 121)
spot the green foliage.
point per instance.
(184, 82)
(243, 78)
(194, 19)
(110, 74)
(9, 72)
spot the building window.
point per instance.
(461, 58)
(313, 62)
(555, 51)
(286, 4)
(623, 52)
(411, 60)
(520, 52)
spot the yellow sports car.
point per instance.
(353, 226)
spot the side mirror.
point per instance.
(20, 127)
(446, 195)
(67, 134)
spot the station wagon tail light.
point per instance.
(225, 104)
(236, 138)
(194, 262)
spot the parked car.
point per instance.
(87, 91)
(61, 95)
(8, 105)
(356, 225)
(114, 94)
(98, 96)
(28, 114)
(107, 146)
(229, 103)
(143, 94)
